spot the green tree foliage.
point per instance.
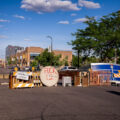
(48, 59)
(83, 60)
(75, 61)
(9, 61)
(100, 38)
(65, 61)
(12, 62)
(34, 63)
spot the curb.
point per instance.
(4, 83)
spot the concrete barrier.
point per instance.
(4, 76)
(1, 76)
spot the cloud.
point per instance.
(63, 22)
(20, 17)
(27, 39)
(79, 20)
(41, 6)
(3, 37)
(2, 20)
(88, 4)
(73, 14)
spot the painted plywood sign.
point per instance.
(49, 76)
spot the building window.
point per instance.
(33, 55)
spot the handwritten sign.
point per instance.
(22, 75)
(49, 76)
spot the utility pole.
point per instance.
(51, 42)
(78, 59)
(115, 56)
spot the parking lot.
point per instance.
(60, 103)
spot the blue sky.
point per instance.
(28, 22)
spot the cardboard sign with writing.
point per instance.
(22, 75)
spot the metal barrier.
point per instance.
(36, 79)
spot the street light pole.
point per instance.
(51, 42)
(115, 56)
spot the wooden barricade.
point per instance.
(98, 78)
(77, 80)
(33, 80)
(82, 79)
(85, 81)
(14, 82)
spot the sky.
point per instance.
(29, 22)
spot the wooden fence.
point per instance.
(100, 77)
(89, 78)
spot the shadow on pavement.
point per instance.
(114, 92)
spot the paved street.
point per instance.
(58, 103)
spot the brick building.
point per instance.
(25, 57)
(12, 50)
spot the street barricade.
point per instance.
(21, 80)
(48, 76)
(99, 78)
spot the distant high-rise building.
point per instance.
(12, 50)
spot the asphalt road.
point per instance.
(58, 103)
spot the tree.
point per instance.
(65, 61)
(48, 59)
(83, 60)
(100, 38)
(12, 61)
(75, 61)
(34, 63)
(9, 61)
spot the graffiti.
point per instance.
(49, 76)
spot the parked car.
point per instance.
(27, 68)
(69, 68)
